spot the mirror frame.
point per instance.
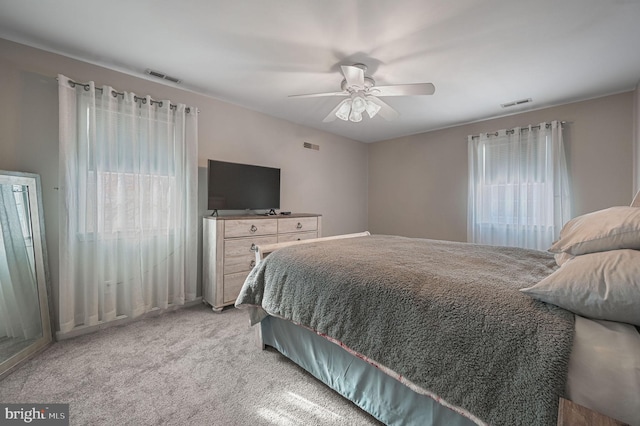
(32, 182)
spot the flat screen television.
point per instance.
(234, 186)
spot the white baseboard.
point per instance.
(122, 320)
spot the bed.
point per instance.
(418, 331)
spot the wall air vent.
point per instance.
(311, 146)
(162, 76)
(516, 103)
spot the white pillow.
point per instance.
(602, 285)
(562, 257)
(609, 229)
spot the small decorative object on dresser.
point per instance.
(229, 245)
(572, 414)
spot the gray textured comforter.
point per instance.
(448, 316)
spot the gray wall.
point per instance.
(418, 184)
(331, 181)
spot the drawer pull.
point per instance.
(253, 228)
(253, 248)
(253, 263)
(299, 226)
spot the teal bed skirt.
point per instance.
(377, 393)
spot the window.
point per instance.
(518, 187)
(128, 178)
(127, 203)
(127, 190)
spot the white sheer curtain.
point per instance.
(128, 224)
(19, 306)
(518, 187)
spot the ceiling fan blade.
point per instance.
(353, 75)
(386, 111)
(317, 95)
(332, 115)
(404, 89)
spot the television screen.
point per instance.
(233, 186)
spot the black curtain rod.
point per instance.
(115, 94)
(522, 129)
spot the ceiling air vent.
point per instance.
(515, 103)
(162, 76)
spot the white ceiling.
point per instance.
(478, 53)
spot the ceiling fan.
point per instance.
(362, 95)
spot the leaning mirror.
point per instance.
(25, 326)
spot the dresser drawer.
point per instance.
(250, 227)
(238, 253)
(227, 249)
(297, 236)
(297, 224)
(232, 285)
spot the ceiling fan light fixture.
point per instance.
(372, 109)
(358, 104)
(343, 111)
(355, 116)
(352, 109)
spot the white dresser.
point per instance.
(228, 248)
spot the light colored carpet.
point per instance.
(187, 367)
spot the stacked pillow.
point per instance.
(599, 277)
